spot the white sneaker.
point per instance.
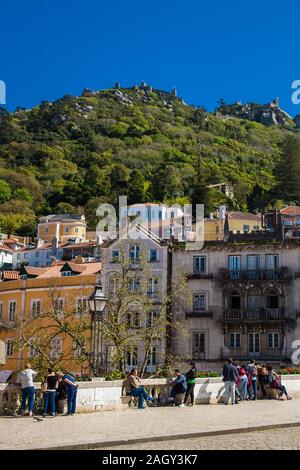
(182, 405)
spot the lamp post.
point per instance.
(97, 303)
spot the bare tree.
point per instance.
(134, 315)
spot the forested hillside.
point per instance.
(70, 155)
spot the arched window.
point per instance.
(254, 299)
(235, 300)
(272, 298)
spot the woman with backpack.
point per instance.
(274, 383)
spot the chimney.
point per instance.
(54, 246)
(211, 215)
(79, 260)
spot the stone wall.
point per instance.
(101, 395)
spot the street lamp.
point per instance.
(97, 303)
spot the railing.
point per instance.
(269, 354)
(255, 314)
(255, 275)
(199, 275)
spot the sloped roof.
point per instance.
(79, 268)
(290, 210)
(244, 216)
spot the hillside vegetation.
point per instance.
(69, 155)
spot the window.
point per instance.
(272, 299)
(66, 273)
(199, 345)
(234, 266)
(12, 310)
(76, 230)
(48, 254)
(255, 227)
(78, 348)
(254, 343)
(59, 306)
(115, 255)
(235, 300)
(246, 228)
(25, 255)
(273, 340)
(9, 348)
(56, 347)
(37, 254)
(152, 357)
(150, 319)
(152, 291)
(35, 308)
(153, 256)
(82, 306)
(199, 264)
(134, 285)
(235, 340)
(18, 256)
(1, 310)
(134, 253)
(272, 262)
(131, 358)
(46, 229)
(32, 352)
(133, 320)
(199, 302)
(67, 229)
(112, 286)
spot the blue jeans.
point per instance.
(142, 395)
(244, 387)
(254, 389)
(230, 387)
(49, 400)
(72, 394)
(27, 392)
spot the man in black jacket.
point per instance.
(230, 376)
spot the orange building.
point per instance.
(62, 227)
(50, 302)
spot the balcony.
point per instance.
(268, 354)
(199, 275)
(254, 275)
(199, 314)
(259, 314)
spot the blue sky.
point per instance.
(233, 49)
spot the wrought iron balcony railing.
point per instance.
(255, 275)
(255, 314)
(267, 354)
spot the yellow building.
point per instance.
(62, 227)
(48, 307)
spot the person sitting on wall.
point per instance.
(133, 387)
(179, 387)
(273, 380)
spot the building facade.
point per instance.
(62, 289)
(245, 302)
(62, 227)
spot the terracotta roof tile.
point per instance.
(244, 216)
(290, 210)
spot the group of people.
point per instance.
(57, 386)
(182, 386)
(243, 382)
(246, 381)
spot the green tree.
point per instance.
(136, 187)
(5, 191)
(288, 170)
